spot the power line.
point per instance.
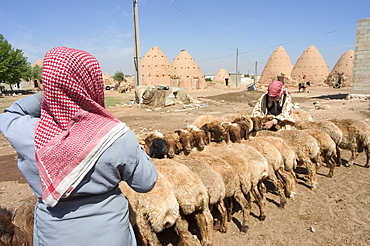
(195, 23)
(273, 46)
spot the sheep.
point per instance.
(246, 118)
(301, 115)
(214, 183)
(16, 223)
(356, 138)
(173, 143)
(232, 132)
(186, 140)
(214, 131)
(190, 193)
(277, 174)
(149, 138)
(158, 148)
(329, 127)
(230, 178)
(252, 169)
(327, 148)
(305, 147)
(153, 211)
(289, 159)
(199, 137)
(244, 129)
(201, 120)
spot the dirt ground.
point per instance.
(336, 213)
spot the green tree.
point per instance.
(13, 64)
(119, 76)
(34, 72)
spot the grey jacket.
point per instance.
(96, 213)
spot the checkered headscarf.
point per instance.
(74, 128)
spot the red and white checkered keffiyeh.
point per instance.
(74, 128)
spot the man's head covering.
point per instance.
(74, 128)
(275, 89)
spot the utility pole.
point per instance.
(255, 73)
(137, 63)
(236, 73)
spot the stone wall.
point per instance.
(361, 62)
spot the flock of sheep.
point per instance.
(207, 167)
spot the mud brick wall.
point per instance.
(361, 62)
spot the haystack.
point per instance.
(311, 67)
(190, 75)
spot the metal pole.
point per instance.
(137, 63)
(255, 73)
(236, 74)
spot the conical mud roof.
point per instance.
(279, 63)
(39, 62)
(190, 75)
(310, 66)
(221, 77)
(156, 68)
(345, 64)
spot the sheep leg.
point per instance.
(311, 169)
(229, 207)
(289, 181)
(331, 162)
(146, 236)
(246, 209)
(339, 158)
(353, 157)
(280, 188)
(260, 198)
(186, 238)
(204, 221)
(367, 157)
(223, 213)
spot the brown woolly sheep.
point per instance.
(153, 211)
(304, 145)
(299, 114)
(16, 223)
(277, 174)
(356, 138)
(199, 137)
(173, 143)
(329, 127)
(327, 148)
(289, 158)
(232, 132)
(231, 180)
(252, 169)
(201, 120)
(214, 183)
(190, 193)
(186, 140)
(214, 131)
(149, 138)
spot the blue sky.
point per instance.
(211, 31)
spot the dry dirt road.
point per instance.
(336, 213)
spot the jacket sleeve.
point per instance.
(139, 171)
(259, 108)
(17, 123)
